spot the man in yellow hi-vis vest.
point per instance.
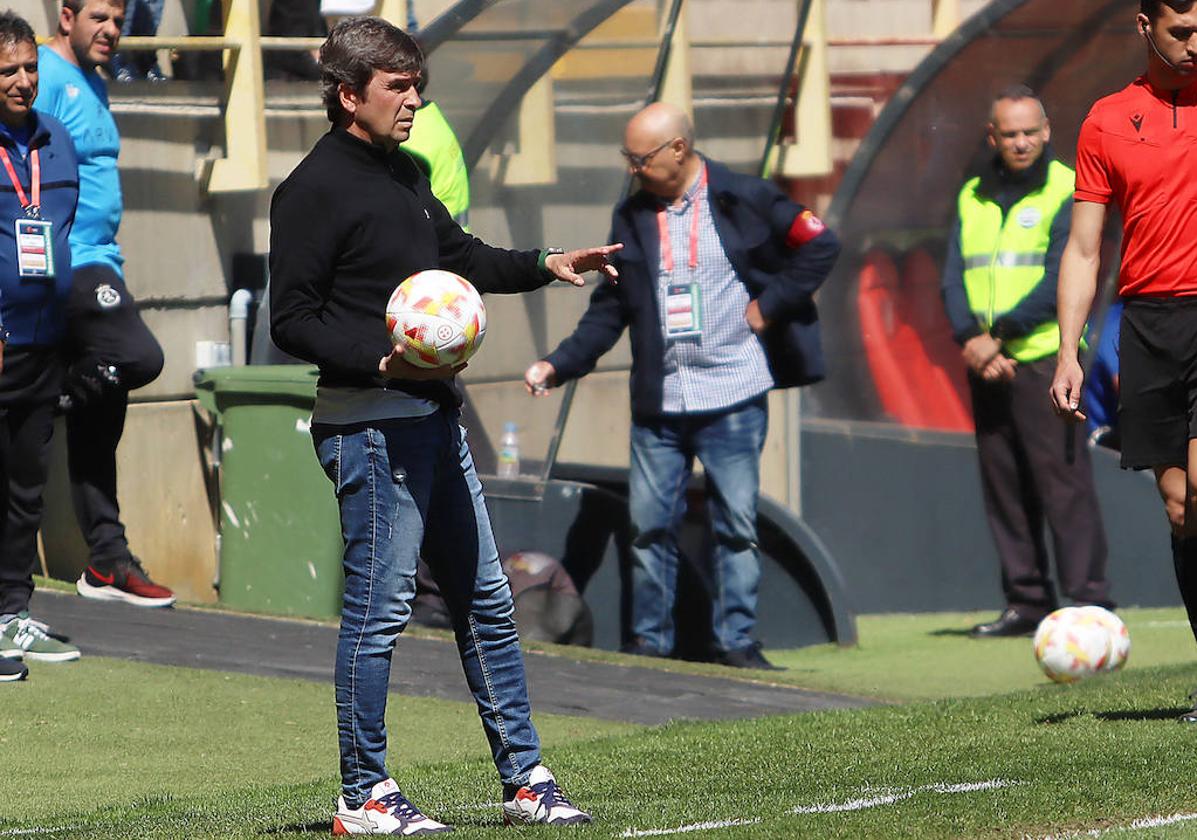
(435, 147)
(999, 289)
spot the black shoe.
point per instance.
(638, 647)
(12, 670)
(749, 657)
(1009, 623)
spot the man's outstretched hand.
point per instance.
(570, 266)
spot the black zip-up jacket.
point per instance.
(347, 226)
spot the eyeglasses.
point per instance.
(640, 161)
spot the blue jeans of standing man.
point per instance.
(728, 444)
(408, 487)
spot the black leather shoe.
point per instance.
(638, 647)
(749, 657)
(1009, 623)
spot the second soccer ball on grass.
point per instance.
(1077, 642)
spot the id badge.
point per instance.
(35, 247)
(683, 311)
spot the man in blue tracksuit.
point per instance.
(110, 349)
(39, 190)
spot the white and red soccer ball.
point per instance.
(1077, 642)
(436, 318)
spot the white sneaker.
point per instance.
(541, 800)
(387, 811)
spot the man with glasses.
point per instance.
(717, 279)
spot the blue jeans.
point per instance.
(407, 487)
(728, 444)
(142, 17)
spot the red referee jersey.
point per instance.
(1138, 148)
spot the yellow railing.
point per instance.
(243, 167)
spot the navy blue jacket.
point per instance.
(753, 219)
(33, 309)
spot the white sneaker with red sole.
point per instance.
(387, 811)
(542, 801)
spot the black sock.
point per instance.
(1184, 561)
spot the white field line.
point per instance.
(28, 832)
(1134, 825)
(898, 796)
(832, 807)
(1176, 623)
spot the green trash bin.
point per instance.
(280, 532)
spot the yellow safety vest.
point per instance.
(1003, 260)
(434, 145)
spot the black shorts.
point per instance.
(1157, 379)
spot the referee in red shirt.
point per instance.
(1138, 150)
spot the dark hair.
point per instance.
(355, 49)
(14, 30)
(76, 6)
(1152, 8)
(1016, 93)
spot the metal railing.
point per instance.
(243, 165)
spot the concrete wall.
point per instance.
(164, 490)
(181, 244)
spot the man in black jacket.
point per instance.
(999, 289)
(717, 284)
(353, 219)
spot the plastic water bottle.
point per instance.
(509, 452)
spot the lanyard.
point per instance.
(663, 227)
(31, 208)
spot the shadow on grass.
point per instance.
(951, 631)
(1131, 714)
(1144, 714)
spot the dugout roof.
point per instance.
(890, 347)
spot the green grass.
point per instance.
(925, 657)
(113, 750)
(929, 656)
(109, 728)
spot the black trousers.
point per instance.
(1036, 468)
(110, 352)
(29, 388)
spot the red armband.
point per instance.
(806, 226)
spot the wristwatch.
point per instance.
(4, 335)
(545, 253)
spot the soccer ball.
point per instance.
(1120, 642)
(436, 318)
(1077, 642)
